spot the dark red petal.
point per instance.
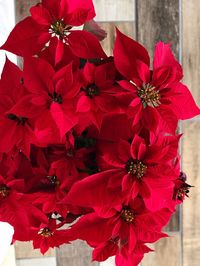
(27, 38)
(183, 103)
(78, 17)
(163, 57)
(138, 148)
(104, 251)
(86, 226)
(126, 54)
(64, 120)
(41, 15)
(38, 76)
(98, 184)
(85, 45)
(84, 104)
(59, 53)
(85, 5)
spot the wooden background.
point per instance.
(148, 21)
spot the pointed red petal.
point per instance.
(85, 45)
(126, 53)
(27, 38)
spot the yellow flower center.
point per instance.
(45, 232)
(4, 191)
(59, 28)
(127, 215)
(136, 168)
(149, 96)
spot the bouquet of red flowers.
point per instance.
(89, 143)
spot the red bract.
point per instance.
(15, 129)
(157, 98)
(88, 143)
(50, 99)
(131, 169)
(98, 93)
(15, 210)
(125, 226)
(48, 235)
(55, 18)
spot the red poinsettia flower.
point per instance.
(125, 225)
(48, 235)
(112, 247)
(134, 258)
(56, 18)
(15, 129)
(98, 93)
(128, 170)
(157, 96)
(15, 210)
(181, 188)
(50, 99)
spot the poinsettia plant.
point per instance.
(88, 142)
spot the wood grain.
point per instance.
(115, 10)
(158, 21)
(76, 254)
(191, 46)
(22, 8)
(191, 206)
(127, 28)
(36, 262)
(167, 252)
(25, 250)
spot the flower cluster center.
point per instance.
(149, 96)
(56, 97)
(19, 119)
(4, 191)
(182, 192)
(136, 168)
(45, 232)
(92, 90)
(59, 28)
(127, 215)
(53, 179)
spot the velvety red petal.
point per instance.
(83, 104)
(41, 15)
(59, 51)
(85, 45)
(38, 76)
(86, 226)
(104, 251)
(100, 196)
(85, 5)
(126, 53)
(163, 56)
(27, 38)
(183, 103)
(64, 121)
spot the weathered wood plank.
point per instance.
(115, 10)
(22, 8)
(25, 250)
(191, 208)
(191, 143)
(191, 46)
(127, 28)
(36, 262)
(76, 254)
(167, 252)
(159, 21)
